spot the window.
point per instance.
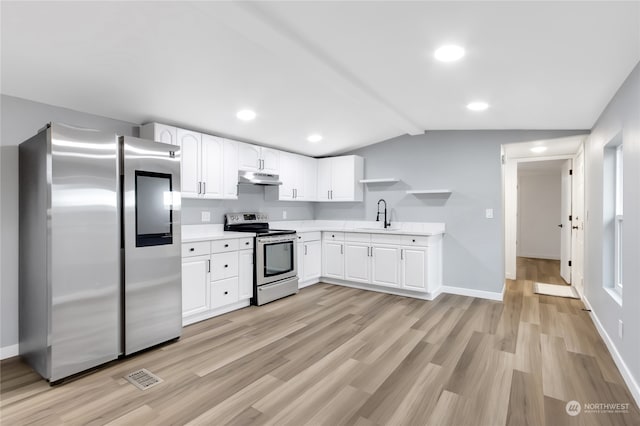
(612, 216)
(617, 258)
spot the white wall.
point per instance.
(621, 115)
(539, 214)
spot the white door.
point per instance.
(230, 170)
(414, 268)
(300, 265)
(211, 157)
(270, 160)
(195, 285)
(386, 266)
(245, 274)
(342, 178)
(190, 157)
(312, 260)
(324, 179)
(333, 259)
(248, 157)
(577, 247)
(565, 230)
(288, 176)
(357, 263)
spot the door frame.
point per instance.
(510, 199)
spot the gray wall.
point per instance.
(22, 119)
(622, 115)
(468, 163)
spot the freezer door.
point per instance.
(152, 256)
(84, 250)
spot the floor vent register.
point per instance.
(143, 379)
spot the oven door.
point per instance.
(276, 258)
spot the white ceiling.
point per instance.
(555, 147)
(356, 72)
(548, 167)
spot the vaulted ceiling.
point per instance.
(356, 72)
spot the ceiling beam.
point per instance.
(253, 21)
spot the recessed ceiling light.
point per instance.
(449, 53)
(246, 115)
(477, 106)
(314, 138)
(538, 149)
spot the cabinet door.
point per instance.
(230, 170)
(312, 260)
(190, 171)
(245, 274)
(288, 176)
(159, 133)
(211, 156)
(324, 179)
(301, 259)
(414, 268)
(386, 266)
(248, 157)
(308, 176)
(195, 285)
(333, 259)
(342, 178)
(270, 160)
(357, 264)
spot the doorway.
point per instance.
(543, 210)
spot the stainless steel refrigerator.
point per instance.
(100, 267)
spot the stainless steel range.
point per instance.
(275, 259)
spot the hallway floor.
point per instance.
(539, 270)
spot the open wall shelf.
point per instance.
(385, 180)
(428, 191)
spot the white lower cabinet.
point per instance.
(216, 276)
(357, 265)
(333, 259)
(414, 268)
(245, 274)
(312, 260)
(195, 285)
(385, 266)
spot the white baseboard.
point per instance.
(192, 319)
(379, 289)
(617, 358)
(482, 294)
(538, 256)
(312, 281)
(510, 276)
(9, 351)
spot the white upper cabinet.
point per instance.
(258, 159)
(339, 178)
(190, 170)
(298, 176)
(160, 133)
(209, 164)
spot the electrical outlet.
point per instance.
(620, 329)
(206, 216)
(488, 213)
(284, 214)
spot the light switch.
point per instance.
(488, 213)
(206, 216)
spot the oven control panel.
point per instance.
(240, 218)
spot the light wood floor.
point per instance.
(539, 270)
(334, 355)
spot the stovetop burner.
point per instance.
(252, 222)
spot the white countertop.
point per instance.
(192, 233)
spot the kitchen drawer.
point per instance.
(357, 237)
(220, 246)
(309, 236)
(336, 236)
(196, 249)
(394, 239)
(245, 243)
(224, 292)
(224, 265)
(416, 240)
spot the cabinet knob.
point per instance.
(226, 245)
(413, 240)
(192, 249)
(333, 236)
(246, 243)
(226, 292)
(226, 266)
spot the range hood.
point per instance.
(257, 178)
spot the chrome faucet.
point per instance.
(386, 224)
